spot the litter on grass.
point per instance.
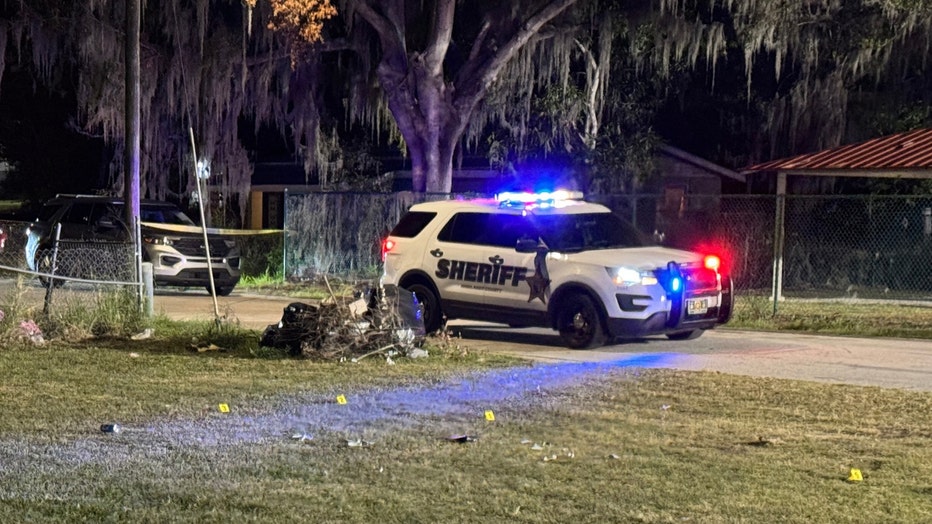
(376, 322)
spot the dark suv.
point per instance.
(171, 241)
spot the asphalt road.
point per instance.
(883, 362)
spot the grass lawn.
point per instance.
(845, 317)
(547, 443)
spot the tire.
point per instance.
(44, 265)
(430, 302)
(579, 323)
(222, 291)
(685, 335)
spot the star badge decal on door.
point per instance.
(538, 284)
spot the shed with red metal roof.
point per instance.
(902, 155)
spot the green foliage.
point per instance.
(261, 256)
(108, 312)
(104, 312)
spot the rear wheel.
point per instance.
(430, 302)
(579, 323)
(685, 335)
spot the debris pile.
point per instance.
(375, 321)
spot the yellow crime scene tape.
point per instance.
(180, 228)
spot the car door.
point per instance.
(106, 222)
(74, 221)
(510, 287)
(460, 261)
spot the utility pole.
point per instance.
(132, 129)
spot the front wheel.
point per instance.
(579, 323)
(430, 303)
(43, 264)
(222, 291)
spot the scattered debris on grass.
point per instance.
(29, 331)
(462, 439)
(111, 428)
(374, 322)
(204, 347)
(762, 442)
(145, 334)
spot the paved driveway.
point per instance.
(883, 362)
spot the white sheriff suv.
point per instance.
(552, 260)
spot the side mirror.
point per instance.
(526, 245)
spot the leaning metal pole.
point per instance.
(200, 206)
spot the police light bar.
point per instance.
(546, 197)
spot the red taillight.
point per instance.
(712, 262)
(387, 246)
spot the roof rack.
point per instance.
(79, 195)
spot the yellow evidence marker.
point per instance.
(224, 408)
(490, 416)
(855, 475)
(341, 399)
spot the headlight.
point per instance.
(626, 276)
(164, 241)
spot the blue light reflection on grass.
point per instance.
(458, 400)
(453, 405)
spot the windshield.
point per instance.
(164, 215)
(582, 232)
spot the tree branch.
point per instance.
(528, 30)
(392, 41)
(482, 69)
(440, 35)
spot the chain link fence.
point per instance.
(92, 261)
(340, 234)
(833, 246)
(88, 279)
(13, 245)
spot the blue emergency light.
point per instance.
(542, 199)
(671, 278)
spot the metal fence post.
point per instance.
(778, 240)
(147, 292)
(52, 271)
(285, 235)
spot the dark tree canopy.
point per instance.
(207, 65)
(597, 81)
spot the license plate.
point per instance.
(697, 306)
